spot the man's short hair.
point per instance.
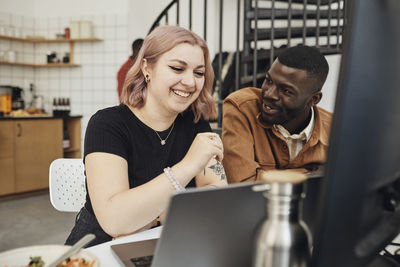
(309, 59)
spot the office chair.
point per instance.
(67, 184)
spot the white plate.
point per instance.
(20, 256)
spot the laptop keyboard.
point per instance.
(142, 261)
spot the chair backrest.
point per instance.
(67, 184)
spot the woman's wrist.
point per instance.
(189, 168)
(183, 173)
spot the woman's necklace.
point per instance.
(164, 141)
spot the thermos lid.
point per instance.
(282, 183)
(283, 176)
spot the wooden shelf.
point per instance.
(43, 40)
(63, 40)
(52, 65)
(56, 65)
(72, 150)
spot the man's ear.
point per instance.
(315, 98)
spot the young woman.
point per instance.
(138, 153)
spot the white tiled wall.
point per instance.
(91, 86)
(19, 26)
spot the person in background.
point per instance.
(127, 65)
(279, 126)
(157, 142)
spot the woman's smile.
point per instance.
(181, 93)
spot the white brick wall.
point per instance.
(91, 86)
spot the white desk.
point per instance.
(105, 255)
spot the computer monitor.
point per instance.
(359, 210)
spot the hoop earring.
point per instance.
(147, 79)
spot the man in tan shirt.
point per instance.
(278, 126)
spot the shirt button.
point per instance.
(284, 148)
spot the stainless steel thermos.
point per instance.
(283, 239)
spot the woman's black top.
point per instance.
(118, 131)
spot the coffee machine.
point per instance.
(17, 98)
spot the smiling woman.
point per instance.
(156, 142)
(174, 49)
(178, 79)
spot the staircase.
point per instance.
(262, 30)
(288, 23)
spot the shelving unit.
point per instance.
(43, 40)
(52, 65)
(73, 125)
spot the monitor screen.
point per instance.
(357, 213)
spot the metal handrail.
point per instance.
(162, 14)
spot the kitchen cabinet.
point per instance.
(37, 143)
(29, 145)
(7, 177)
(42, 40)
(28, 148)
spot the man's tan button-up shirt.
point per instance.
(251, 145)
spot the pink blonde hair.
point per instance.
(159, 41)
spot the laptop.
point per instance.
(213, 227)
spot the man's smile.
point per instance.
(270, 109)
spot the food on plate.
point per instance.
(27, 112)
(69, 262)
(35, 111)
(76, 262)
(36, 262)
(19, 113)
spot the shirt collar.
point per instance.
(303, 135)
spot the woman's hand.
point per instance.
(204, 147)
(212, 175)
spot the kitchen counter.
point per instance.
(38, 117)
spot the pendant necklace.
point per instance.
(164, 141)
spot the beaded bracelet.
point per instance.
(172, 178)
